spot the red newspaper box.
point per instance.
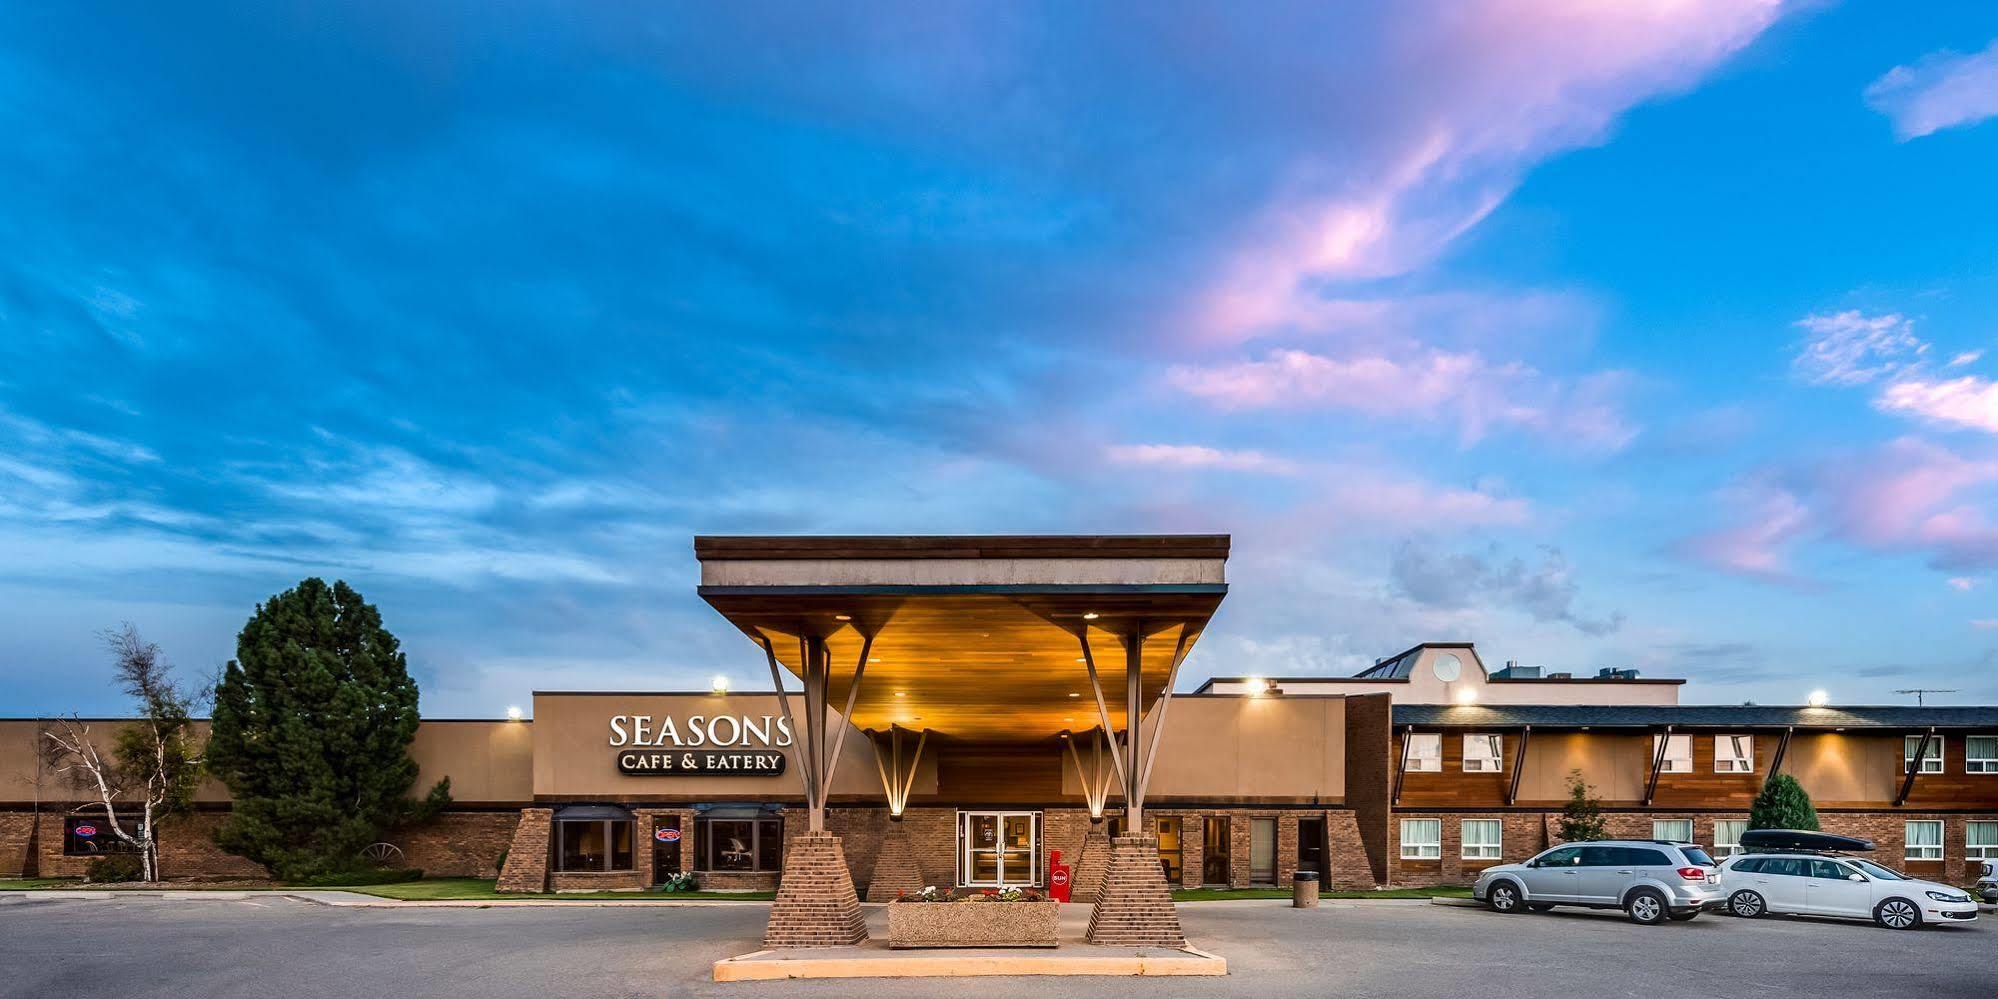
(1057, 877)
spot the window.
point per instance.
(1424, 752)
(1931, 760)
(592, 845)
(1678, 753)
(1980, 840)
(1981, 754)
(1482, 838)
(1734, 754)
(1170, 846)
(1924, 839)
(84, 836)
(1826, 870)
(1567, 856)
(1727, 835)
(1262, 851)
(1311, 845)
(1752, 865)
(1447, 667)
(1421, 839)
(1676, 830)
(1481, 754)
(739, 844)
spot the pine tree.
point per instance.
(313, 720)
(1783, 804)
(1582, 817)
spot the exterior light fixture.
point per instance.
(842, 617)
(1466, 695)
(901, 693)
(719, 684)
(874, 659)
(1073, 694)
(513, 712)
(1090, 615)
(1818, 699)
(1258, 686)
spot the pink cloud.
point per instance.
(1970, 401)
(1943, 90)
(1194, 456)
(1768, 521)
(1476, 394)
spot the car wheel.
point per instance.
(1646, 907)
(1504, 897)
(1898, 914)
(1747, 905)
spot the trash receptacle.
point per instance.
(1304, 890)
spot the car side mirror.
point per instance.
(1855, 877)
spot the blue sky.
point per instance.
(1645, 334)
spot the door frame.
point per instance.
(964, 848)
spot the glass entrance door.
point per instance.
(999, 849)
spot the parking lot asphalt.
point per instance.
(260, 947)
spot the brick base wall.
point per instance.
(1528, 832)
(17, 837)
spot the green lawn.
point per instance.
(26, 884)
(481, 890)
(1226, 894)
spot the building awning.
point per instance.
(974, 638)
(587, 812)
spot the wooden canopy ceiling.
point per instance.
(975, 663)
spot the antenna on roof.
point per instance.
(1919, 691)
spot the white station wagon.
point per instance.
(1791, 876)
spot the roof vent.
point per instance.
(1514, 671)
(1560, 676)
(1613, 673)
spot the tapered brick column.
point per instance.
(1135, 908)
(1090, 865)
(895, 868)
(526, 867)
(816, 905)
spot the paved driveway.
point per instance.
(259, 948)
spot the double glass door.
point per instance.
(999, 849)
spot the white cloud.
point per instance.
(1942, 90)
(1852, 348)
(1963, 584)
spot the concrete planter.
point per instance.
(973, 924)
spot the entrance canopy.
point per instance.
(975, 638)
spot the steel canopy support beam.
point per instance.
(1401, 765)
(1095, 780)
(1782, 747)
(1102, 707)
(1186, 636)
(1657, 766)
(1134, 712)
(1518, 764)
(784, 700)
(898, 781)
(1915, 766)
(852, 692)
(816, 670)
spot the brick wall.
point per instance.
(17, 836)
(1528, 832)
(1370, 776)
(458, 844)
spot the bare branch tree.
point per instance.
(153, 764)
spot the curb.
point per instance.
(1458, 903)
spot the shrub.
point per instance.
(114, 868)
(364, 876)
(1582, 817)
(1783, 804)
(679, 882)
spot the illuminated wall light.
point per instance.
(1467, 695)
(513, 712)
(1818, 699)
(719, 684)
(1090, 616)
(1258, 686)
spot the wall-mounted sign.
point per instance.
(666, 835)
(722, 731)
(86, 831)
(701, 763)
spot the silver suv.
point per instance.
(1651, 880)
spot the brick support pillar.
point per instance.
(895, 868)
(1135, 908)
(1090, 865)
(816, 905)
(526, 867)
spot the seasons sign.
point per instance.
(700, 746)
